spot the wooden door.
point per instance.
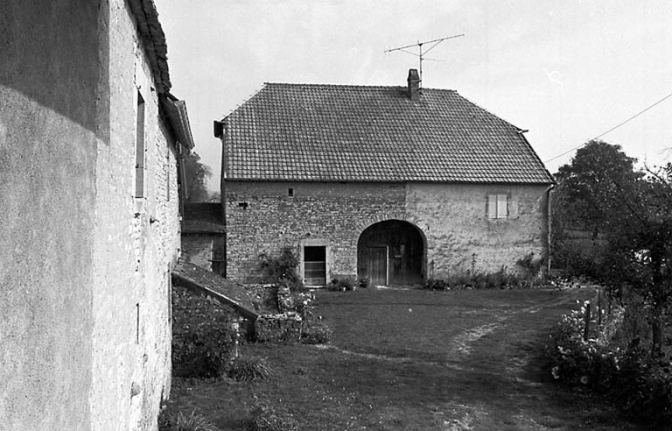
(219, 255)
(377, 266)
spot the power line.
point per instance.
(613, 128)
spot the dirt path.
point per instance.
(486, 370)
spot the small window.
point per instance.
(140, 149)
(168, 168)
(290, 192)
(498, 206)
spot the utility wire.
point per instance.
(613, 128)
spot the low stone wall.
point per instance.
(283, 328)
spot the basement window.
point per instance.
(498, 206)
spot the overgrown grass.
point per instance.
(419, 360)
(190, 422)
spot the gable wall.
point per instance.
(261, 217)
(461, 237)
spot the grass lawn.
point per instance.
(415, 360)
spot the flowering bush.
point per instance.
(640, 384)
(203, 335)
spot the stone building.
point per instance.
(90, 139)
(396, 184)
(203, 236)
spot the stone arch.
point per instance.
(392, 252)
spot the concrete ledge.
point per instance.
(203, 282)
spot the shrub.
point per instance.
(181, 422)
(436, 284)
(364, 282)
(530, 265)
(315, 331)
(343, 283)
(247, 368)
(496, 280)
(281, 269)
(641, 385)
(203, 335)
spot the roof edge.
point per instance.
(154, 41)
(176, 112)
(285, 180)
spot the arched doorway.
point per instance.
(391, 253)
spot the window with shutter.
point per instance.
(492, 206)
(501, 206)
(498, 206)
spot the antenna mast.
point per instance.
(421, 54)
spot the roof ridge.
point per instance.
(298, 84)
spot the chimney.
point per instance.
(413, 85)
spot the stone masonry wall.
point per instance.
(263, 217)
(136, 240)
(461, 237)
(197, 249)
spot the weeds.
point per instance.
(343, 283)
(248, 368)
(181, 422)
(269, 418)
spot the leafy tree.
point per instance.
(197, 173)
(585, 199)
(601, 191)
(590, 187)
(639, 255)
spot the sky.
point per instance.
(566, 70)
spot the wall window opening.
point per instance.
(140, 149)
(498, 206)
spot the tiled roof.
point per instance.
(306, 132)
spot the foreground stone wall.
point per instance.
(136, 240)
(453, 218)
(47, 189)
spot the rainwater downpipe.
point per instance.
(548, 229)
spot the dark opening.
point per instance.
(391, 253)
(290, 192)
(315, 266)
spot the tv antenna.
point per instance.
(421, 54)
